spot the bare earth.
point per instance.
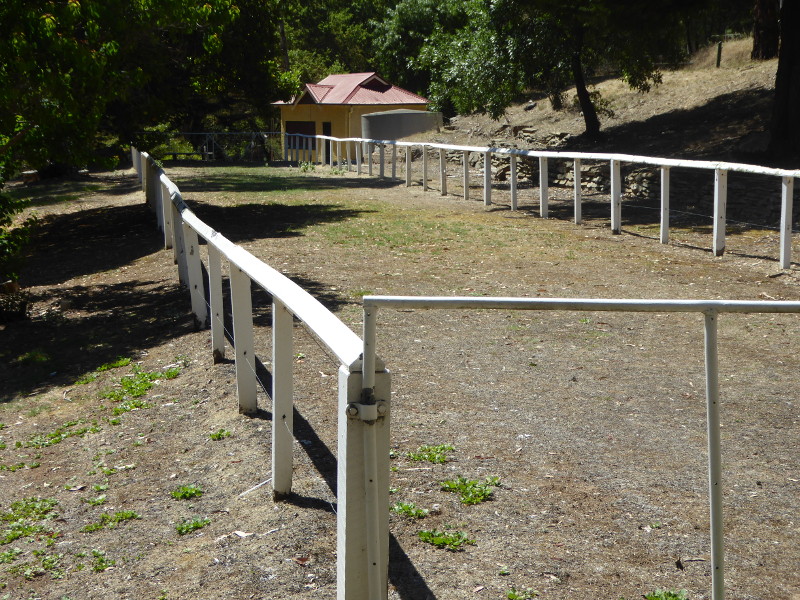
(594, 423)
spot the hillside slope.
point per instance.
(699, 111)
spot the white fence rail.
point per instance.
(298, 147)
(710, 310)
(363, 402)
(363, 430)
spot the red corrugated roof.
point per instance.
(357, 88)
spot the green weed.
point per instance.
(433, 454)
(62, 433)
(138, 383)
(186, 492)
(23, 518)
(410, 510)
(121, 361)
(219, 435)
(101, 562)
(10, 556)
(471, 491)
(190, 525)
(111, 521)
(523, 594)
(660, 594)
(449, 540)
(97, 501)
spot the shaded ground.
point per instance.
(593, 423)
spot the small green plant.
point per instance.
(138, 383)
(471, 491)
(190, 525)
(187, 492)
(409, 510)
(523, 594)
(433, 454)
(660, 594)
(219, 435)
(88, 378)
(64, 432)
(129, 405)
(100, 487)
(10, 556)
(121, 361)
(107, 520)
(449, 540)
(97, 501)
(100, 562)
(306, 167)
(504, 570)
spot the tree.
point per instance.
(766, 31)
(480, 59)
(785, 124)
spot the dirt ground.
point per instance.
(593, 423)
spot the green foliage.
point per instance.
(436, 454)
(521, 594)
(107, 520)
(449, 540)
(409, 510)
(190, 525)
(661, 594)
(122, 361)
(139, 383)
(187, 492)
(471, 491)
(220, 434)
(60, 434)
(100, 562)
(25, 518)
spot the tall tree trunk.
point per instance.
(589, 112)
(785, 125)
(766, 30)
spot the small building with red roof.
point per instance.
(335, 105)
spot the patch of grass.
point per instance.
(88, 378)
(9, 556)
(111, 521)
(187, 492)
(62, 433)
(660, 594)
(449, 540)
(219, 435)
(24, 518)
(138, 383)
(121, 361)
(97, 501)
(100, 562)
(33, 357)
(190, 525)
(409, 510)
(522, 594)
(129, 405)
(434, 454)
(471, 491)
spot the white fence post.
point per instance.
(321, 143)
(215, 296)
(282, 402)
(353, 571)
(616, 198)
(358, 158)
(664, 205)
(442, 172)
(369, 158)
(179, 248)
(720, 206)
(465, 157)
(339, 155)
(285, 147)
(544, 187)
(242, 308)
(394, 161)
(576, 173)
(424, 168)
(787, 198)
(349, 159)
(487, 178)
(381, 160)
(408, 166)
(143, 179)
(714, 458)
(513, 160)
(195, 272)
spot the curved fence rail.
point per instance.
(320, 148)
(364, 387)
(363, 452)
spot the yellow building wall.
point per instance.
(345, 120)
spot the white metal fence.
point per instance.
(710, 309)
(363, 403)
(298, 147)
(362, 548)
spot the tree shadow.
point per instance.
(57, 346)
